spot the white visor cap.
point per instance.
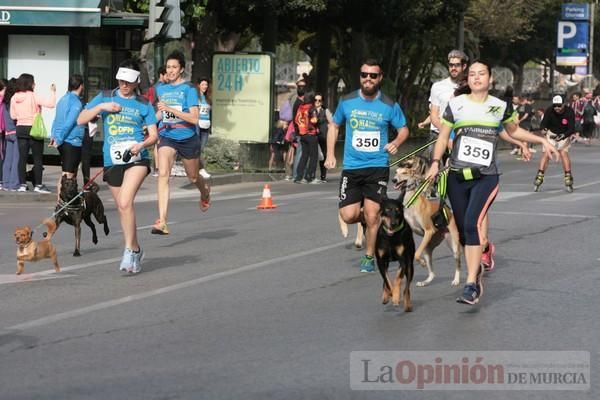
(128, 75)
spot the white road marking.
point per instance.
(569, 197)
(50, 274)
(505, 196)
(166, 289)
(578, 216)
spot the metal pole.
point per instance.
(591, 56)
(159, 57)
(461, 32)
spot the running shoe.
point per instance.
(22, 188)
(470, 294)
(127, 261)
(136, 259)
(487, 258)
(160, 228)
(41, 189)
(367, 264)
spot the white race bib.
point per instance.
(204, 123)
(169, 117)
(475, 151)
(118, 149)
(367, 141)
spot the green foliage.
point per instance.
(221, 153)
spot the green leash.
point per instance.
(412, 153)
(441, 187)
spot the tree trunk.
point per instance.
(204, 44)
(271, 27)
(357, 54)
(324, 36)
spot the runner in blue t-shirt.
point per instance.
(368, 114)
(177, 109)
(126, 161)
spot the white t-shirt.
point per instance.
(441, 92)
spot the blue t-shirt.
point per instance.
(367, 124)
(64, 127)
(180, 97)
(203, 113)
(125, 128)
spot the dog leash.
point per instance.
(55, 213)
(412, 153)
(442, 180)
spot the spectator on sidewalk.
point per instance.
(306, 120)
(23, 107)
(66, 135)
(10, 167)
(324, 119)
(3, 83)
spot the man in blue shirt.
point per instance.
(368, 115)
(66, 135)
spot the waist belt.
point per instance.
(175, 126)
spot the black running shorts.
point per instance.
(365, 183)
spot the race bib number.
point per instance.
(169, 117)
(367, 141)
(475, 151)
(118, 149)
(204, 109)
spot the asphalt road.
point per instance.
(244, 304)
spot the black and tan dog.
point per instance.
(82, 208)
(395, 243)
(30, 250)
(409, 175)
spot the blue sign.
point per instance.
(575, 12)
(573, 36)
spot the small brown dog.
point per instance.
(30, 250)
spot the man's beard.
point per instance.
(369, 91)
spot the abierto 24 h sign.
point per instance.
(242, 89)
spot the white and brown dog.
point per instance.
(409, 175)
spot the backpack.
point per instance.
(306, 119)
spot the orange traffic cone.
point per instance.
(267, 201)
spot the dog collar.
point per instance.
(391, 232)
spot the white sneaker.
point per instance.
(514, 151)
(41, 189)
(127, 261)
(22, 188)
(204, 173)
(136, 259)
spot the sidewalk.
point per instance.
(178, 184)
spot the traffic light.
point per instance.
(165, 19)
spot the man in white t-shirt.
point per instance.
(442, 91)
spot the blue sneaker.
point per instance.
(471, 294)
(127, 261)
(367, 264)
(136, 259)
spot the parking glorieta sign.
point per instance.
(242, 89)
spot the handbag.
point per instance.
(38, 129)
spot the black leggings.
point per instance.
(37, 151)
(470, 202)
(310, 154)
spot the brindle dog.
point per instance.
(81, 209)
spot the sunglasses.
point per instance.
(372, 75)
(454, 65)
(318, 100)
